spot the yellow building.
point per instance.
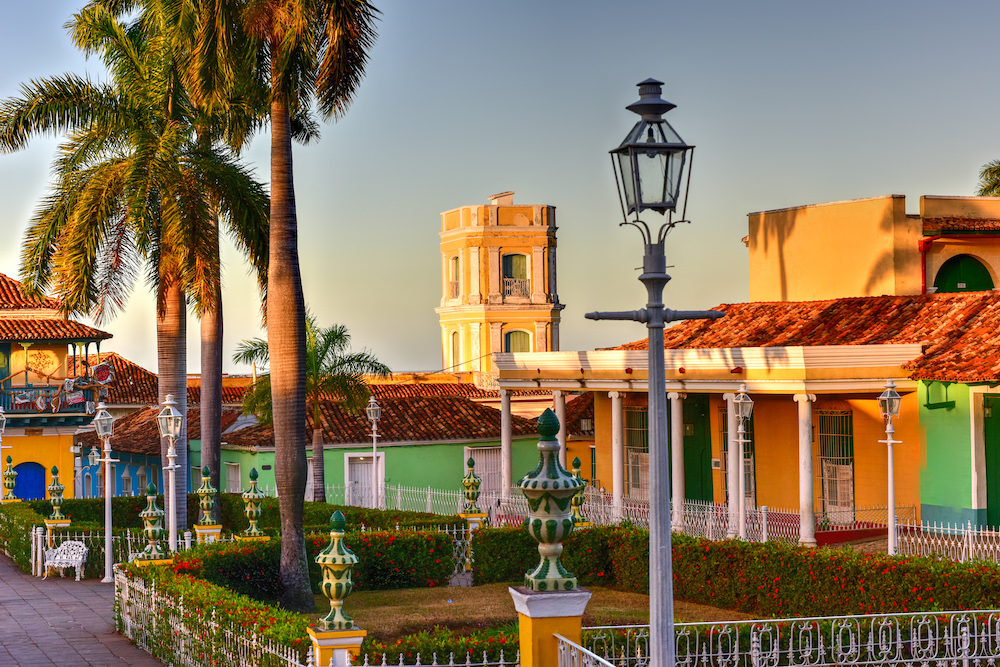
(498, 283)
(871, 247)
(46, 390)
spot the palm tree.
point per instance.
(332, 372)
(989, 179)
(314, 49)
(133, 189)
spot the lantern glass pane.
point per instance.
(3, 421)
(744, 406)
(104, 423)
(626, 169)
(374, 411)
(889, 403)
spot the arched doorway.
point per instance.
(963, 273)
(30, 481)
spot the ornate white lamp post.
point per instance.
(648, 166)
(169, 421)
(744, 408)
(105, 425)
(888, 404)
(374, 412)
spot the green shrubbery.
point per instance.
(444, 643)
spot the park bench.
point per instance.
(68, 554)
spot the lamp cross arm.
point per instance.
(633, 315)
(674, 315)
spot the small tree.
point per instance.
(332, 372)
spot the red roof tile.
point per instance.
(231, 395)
(133, 384)
(47, 329)
(417, 418)
(137, 432)
(13, 298)
(960, 332)
(942, 225)
(578, 410)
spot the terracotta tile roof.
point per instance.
(47, 329)
(231, 395)
(940, 225)
(416, 418)
(469, 390)
(137, 432)
(133, 384)
(960, 332)
(13, 298)
(579, 409)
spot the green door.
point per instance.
(991, 432)
(963, 273)
(697, 448)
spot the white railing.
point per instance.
(947, 540)
(168, 628)
(501, 661)
(572, 654)
(930, 639)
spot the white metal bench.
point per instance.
(68, 554)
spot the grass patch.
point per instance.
(390, 615)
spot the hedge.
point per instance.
(763, 579)
(16, 522)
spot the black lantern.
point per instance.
(649, 163)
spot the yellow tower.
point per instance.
(498, 283)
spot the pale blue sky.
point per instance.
(788, 103)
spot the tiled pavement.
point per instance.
(60, 622)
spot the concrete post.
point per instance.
(807, 518)
(617, 455)
(506, 440)
(677, 457)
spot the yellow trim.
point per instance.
(539, 647)
(244, 538)
(146, 563)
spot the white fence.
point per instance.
(572, 654)
(954, 541)
(931, 639)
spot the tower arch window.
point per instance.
(517, 341)
(963, 273)
(453, 274)
(456, 349)
(515, 275)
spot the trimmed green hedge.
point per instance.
(16, 522)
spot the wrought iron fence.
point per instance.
(930, 639)
(572, 654)
(501, 661)
(948, 540)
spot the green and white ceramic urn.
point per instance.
(337, 562)
(549, 489)
(471, 483)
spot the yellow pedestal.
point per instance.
(159, 561)
(50, 524)
(5, 501)
(336, 644)
(543, 615)
(473, 521)
(207, 534)
(246, 538)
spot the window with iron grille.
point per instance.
(749, 458)
(835, 430)
(637, 451)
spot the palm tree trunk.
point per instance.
(171, 329)
(319, 479)
(286, 342)
(211, 394)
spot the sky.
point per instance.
(788, 103)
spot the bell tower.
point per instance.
(498, 283)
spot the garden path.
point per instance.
(61, 622)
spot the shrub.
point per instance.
(16, 522)
(502, 555)
(247, 568)
(391, 560)
(444, 643)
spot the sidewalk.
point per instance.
(61, 622)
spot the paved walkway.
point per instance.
(61, 622)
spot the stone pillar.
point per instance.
(807, 517)
(538, 275)
(677, 459)
(550, 601)
(541, 337)
(734, 467)
(475, 297)
(559, 404)
(506, 441)
(475, 341)
(336, 636)
(494, 297)
(617, 455)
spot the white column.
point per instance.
(733, 467)
(677, 458)
(807, 519)
(559, 400)
(506, 465)
(617, 454)
(474, 292)
(538, 275)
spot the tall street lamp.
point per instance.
(744, 409)
(374, 412)
(888, 404)
(105, 425)
(648, 167)
(169, 420)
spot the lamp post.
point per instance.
(169, 421)
(888, 404)
(105, 425)
(744, 408)
(374, 412)
(648, 166)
